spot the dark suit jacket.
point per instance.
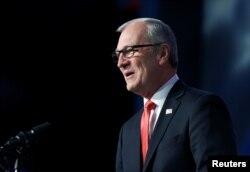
(199, 126)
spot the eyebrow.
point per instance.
(127, 46)
(140, 45)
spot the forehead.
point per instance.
(134, 33)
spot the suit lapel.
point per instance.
(136, 143)
(168, 110)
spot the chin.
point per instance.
(131, 87)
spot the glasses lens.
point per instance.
(126, 52)
(129, 52)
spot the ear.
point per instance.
(165, 53)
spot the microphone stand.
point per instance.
(8, 160)
(17, 165)
(19, 160)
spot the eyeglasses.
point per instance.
(129, 51)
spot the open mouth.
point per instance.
(128, 74)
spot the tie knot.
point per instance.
(150, 105)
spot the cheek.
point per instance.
(142, 68)
(142, 72)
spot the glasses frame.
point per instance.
(125, 51)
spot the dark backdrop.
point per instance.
(56, 66)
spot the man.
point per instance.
(185, 125)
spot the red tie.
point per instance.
(145, 127)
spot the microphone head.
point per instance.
(24, 140)
(38, 131)
(41, 128)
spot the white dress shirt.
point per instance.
(158, 98)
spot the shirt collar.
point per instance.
(160, 95)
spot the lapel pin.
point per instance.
(169, 111)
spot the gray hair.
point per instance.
(158, 31)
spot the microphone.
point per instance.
(24, 139)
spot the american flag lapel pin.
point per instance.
(169, 111)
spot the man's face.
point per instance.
(139, 69)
